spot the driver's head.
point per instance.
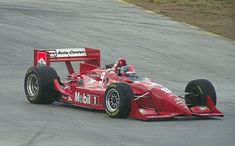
(121, 62)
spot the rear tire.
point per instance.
(118, 100)
(39, 85)
(199, 90)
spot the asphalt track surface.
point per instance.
(169, 52)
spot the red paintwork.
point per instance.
(87, 87)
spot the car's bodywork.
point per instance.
(87, 87)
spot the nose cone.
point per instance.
(138, 88)
(166, 101)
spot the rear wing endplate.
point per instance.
(44, 57)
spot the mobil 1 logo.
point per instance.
(86, 98)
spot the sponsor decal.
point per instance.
(41, 58)
(93, 75)
(166, 90)
(86, 98)
(68, 52)
(102, 77)
(69, 98)
(154, 85)
(202, 108)
(179, 101)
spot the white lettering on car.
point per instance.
(86, 98)
(166, 90)
(102, 77)
(94, 100)
(68, 52)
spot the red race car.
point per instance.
(116, 88)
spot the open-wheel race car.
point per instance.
(115, 88)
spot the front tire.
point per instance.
(118, 100)
(198, 91)
(39, 85)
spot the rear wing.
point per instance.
(44, 57)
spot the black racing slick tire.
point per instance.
(39, 85)
(118, 100)
(198, 90)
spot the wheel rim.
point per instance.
(32, 86)
(112, 100)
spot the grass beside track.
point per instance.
(217, 16)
